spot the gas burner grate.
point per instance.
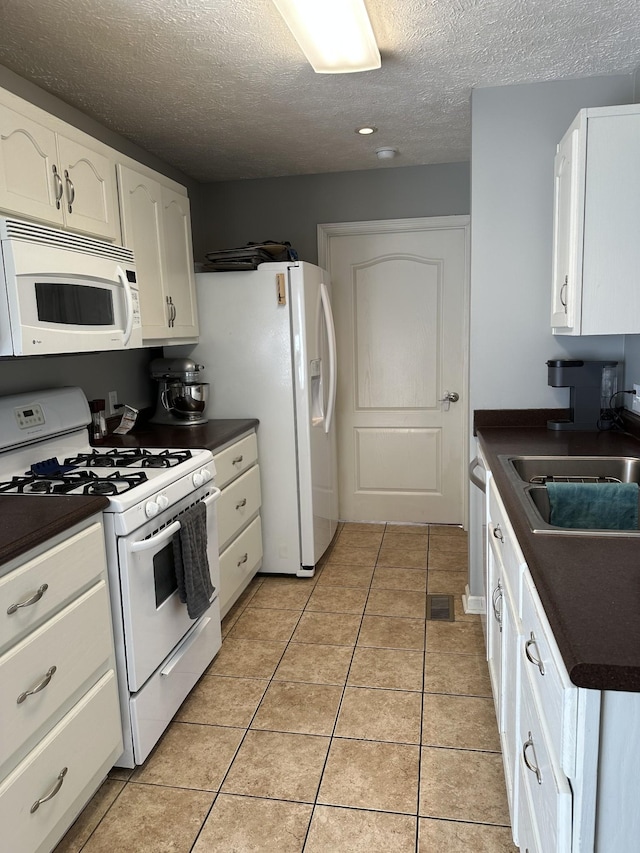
(90, 482)
(133, 456)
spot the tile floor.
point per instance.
(334, 718)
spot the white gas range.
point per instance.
(161, 652)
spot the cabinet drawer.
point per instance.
(87, 740)
(239, 563)
(505, 545)
(546, 787)
(52, 578)
(237, 504)
(557, 697)
(58, 643)
(527, 835)
(235, 459)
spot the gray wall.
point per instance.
(515, 130)
(233, 213)
(95, 373)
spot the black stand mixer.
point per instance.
(182, 395)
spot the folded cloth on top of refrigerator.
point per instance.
(191, 563)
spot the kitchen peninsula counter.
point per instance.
(27, 520)
(589, 585)
(213, 435)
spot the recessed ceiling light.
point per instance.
(366, 131)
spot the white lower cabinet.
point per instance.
(60, 728)
(570, 754)
(239, 524)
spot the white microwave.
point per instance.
(65, 293)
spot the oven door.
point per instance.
(154, 618)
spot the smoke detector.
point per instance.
(386, 153)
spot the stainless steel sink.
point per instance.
(530, 474)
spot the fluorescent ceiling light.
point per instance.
(335, 35)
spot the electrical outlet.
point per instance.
(635, 400)
(113, 402)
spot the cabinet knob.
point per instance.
(243, 560)
(241, 503)
(52, 792)
(237, 460)
(497, 532)
(39, 686)
(532, 766)
(29, 601)
(536, 661)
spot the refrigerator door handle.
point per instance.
(331, 336)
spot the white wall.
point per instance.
(514, 133)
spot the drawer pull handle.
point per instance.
(39, 686)
(532, 767)
(497, 532)
(52, 792)
(496, 599)
(241, 503)
(536, 661)
(237, 460)
(34, 598)
(243, 560)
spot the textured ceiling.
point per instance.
(220, 90)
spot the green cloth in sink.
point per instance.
(594, 506)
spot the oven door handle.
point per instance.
(158, 539)
(215, 494)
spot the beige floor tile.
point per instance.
(349, 555)
(465, 675)
(380, 776)
(451, 583)
(338, 599)
(380, 715)
(297, 707)
(364, 526)
(462, 722)
(408, 529)
(335, 629)
(315, 664)
(446, 836)
(334, 829)
(458, 784)
(389, 632)
(123, 774)
(348, 576)
(447, 530)
(223, 701)
(248, 658)
(460, 615)
(90, 817)
(397, 669)
(388, 578)
(291, 580)
(360, 538)
(258, 624)
(191, 756)
(278, 766)
(441, 562)
(455, 637)
(448, 545)
(286, 596)
(230, 619)
(396, 602)
(151, 819)
(403, 556)
(251, 825)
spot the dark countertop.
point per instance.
(589, 585)
(29, 520)
(211, 435)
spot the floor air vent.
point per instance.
(440, 608)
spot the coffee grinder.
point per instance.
(592, 384)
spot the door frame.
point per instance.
(327, 230)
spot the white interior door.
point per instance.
(400, 294)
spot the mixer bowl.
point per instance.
(186, 401)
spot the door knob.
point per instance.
(449, 397)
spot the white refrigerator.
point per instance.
(267, 342)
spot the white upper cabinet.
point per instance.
(596, 251)
(54, 173)
(156, 224)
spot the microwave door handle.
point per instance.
(158, 539)
(129, 302)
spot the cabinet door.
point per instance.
(178, 264)
(89, 189)
(567, 236)
(141, 212)
(495, 594)
(28, 168)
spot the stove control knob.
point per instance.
(206, 475)
(198, 479)
(162, 501)
(151, 508)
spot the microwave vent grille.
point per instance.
(16, 229)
